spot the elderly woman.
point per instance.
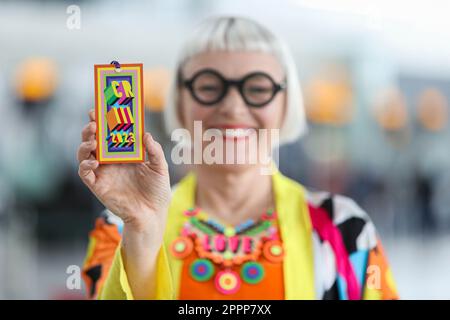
(227, 230)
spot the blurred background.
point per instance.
(376, 81)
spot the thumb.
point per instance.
(156, 159)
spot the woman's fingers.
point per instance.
(86, 172)
(88, 132)
(156, 159)
(85, 150)
(91, 115)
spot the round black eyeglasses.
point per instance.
(209, 87)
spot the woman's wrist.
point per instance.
(146, 232)
(140, 248)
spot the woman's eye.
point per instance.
(208, 88)
(258, 89)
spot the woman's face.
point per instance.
(231, 115)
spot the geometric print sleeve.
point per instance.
(379, 281)
(103, 242)
(349, 260)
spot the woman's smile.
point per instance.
(235, 131)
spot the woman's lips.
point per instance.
(235, 132)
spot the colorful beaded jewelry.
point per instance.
(226, 247)
(227, 282)
(202, 269)
(181, 247)
(252, 272)
(273, 251)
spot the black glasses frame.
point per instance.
(227, 83)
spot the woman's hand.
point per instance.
(138, 193)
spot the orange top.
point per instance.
(271, 286)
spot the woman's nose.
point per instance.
(233, 103)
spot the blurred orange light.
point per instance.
(329, 97)
(156, 85)
(390, 110)
(432, 110)
(36, 79)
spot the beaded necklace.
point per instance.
(220, 248)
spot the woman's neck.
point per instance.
(233, 195)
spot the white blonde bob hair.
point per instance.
(238, 34)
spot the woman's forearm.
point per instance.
(140, 249)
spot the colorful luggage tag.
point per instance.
(119, 110)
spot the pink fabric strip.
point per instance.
(322, 223)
